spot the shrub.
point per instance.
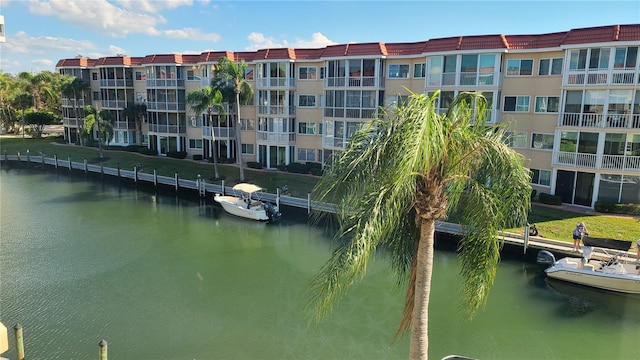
(145, 151)
(177, 154)
(132, 148)
(550, 199)
(197, 156)
(298, 168)
(224, 160)
(314, 165)
(316, 171)
(616, 208)
(254, 165)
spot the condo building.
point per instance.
(572, 100)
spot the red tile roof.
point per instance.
(611, 33)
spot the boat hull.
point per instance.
(626, 280)
(238, 207)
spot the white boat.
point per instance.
(246, 203)
(612, 272)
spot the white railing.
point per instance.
(593, 161)
(276, 82)
(276, 110)
(167, 129)
(272, 137)
(220, 133)
(624, 76)
(610, 121)
(116, 82)
(165, 83)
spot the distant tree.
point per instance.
(22, 102)
(208, 100)
(39, 85)
(230, 76)
(136, 112)
(103, 121)
(37, 122)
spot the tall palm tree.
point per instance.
(401, 174)
(103, 120)
(39, 85)
(207, 99)
(230, 74)
(76, 89)
(22, 102)
(136, 111)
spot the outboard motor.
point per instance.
(271, 211)
(545, 258)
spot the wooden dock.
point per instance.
(202, 188)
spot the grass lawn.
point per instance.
(552, 222)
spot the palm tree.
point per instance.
(22, 102)
(103, 121)
(231, 74)
(39, 85)
(136, 111)
(76, 89)
(207, 100)
(401, 174)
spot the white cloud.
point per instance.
(22, 43)
(153, 5)
(192, 34)
(43, 62)
(259, 41)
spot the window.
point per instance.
(541, 177)
(517, 67)
(191, 75)
(515, 140)
(306, 154)
(248, 149)
(94, 76)
(307, 73)
(542, 141)
(306, 128)
(307, 101)
(550, 67)
(248, 74)
(625, 57)
(247, 124)
(516, 103)
(195, 143)
(398, 70)
(139, 75)
(419, 70)
(599, 58)
(547, 104)
(96, 95)
(578, 59)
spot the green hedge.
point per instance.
(298, 168)
(177, 154)
(254, 165)
(145, 151)
(616, 208)
(197, 156)
(550, 199)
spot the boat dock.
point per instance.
(202, 188)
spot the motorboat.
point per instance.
(612, 271)
(247, 203)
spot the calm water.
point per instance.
(163, 278)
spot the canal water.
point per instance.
(165, 278)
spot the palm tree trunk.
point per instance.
(238, 135)
(214, 150)
(419, 342)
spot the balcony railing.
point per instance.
(72, 103)
(114, 104)
(609, 121)
(276, 110)
(276, 137)
(622, 76)
(220, 133)
(165, 83)
(330, 142)
(124, 125)
(350, 113)
(116, 82)
(364, 81)
(593, 161)
(276, 82)
(72, 122)
(157, 105)
(167, 128)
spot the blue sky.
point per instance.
(40, 32)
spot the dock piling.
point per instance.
(19, 342)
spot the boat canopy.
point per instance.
(607, 243)
(248, 188)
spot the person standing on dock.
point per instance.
(578, 232)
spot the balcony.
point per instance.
(276, 110)
(277, 137)
(116, 82)
(364, 81)
(158, 105)
(73, 103)
(167, 128)
(165, 83)
(607, 121)
(219, 133)
(72, 122)
(330, 142)
(124, 125)
(593, 161)
(114, 104)
(350, 113)
(618, 76)
(276, 83)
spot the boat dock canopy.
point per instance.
(607, 243)
(248, 188)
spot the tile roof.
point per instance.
(601, 34)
